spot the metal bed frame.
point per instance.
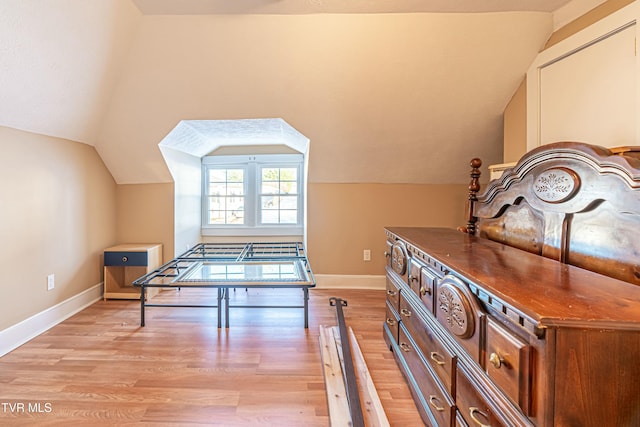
(226, 266)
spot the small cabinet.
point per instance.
(123, 264)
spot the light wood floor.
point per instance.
(101, 368)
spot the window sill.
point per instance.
(251, 231)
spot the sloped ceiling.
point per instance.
(205, 7)
(419, 91)
(381, 97)
(59, 63)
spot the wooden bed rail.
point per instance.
(351, 394)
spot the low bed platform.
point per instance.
(226, 266)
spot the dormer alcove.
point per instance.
(184, 148)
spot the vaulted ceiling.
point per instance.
(371, 83)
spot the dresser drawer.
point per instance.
(422, 281)
(508, 364)
(427, 291)
(438, 403)
(387, 252)
(472, 405)
(392, 322)
(126, 258)
(441, 360)
(413, 280)
(393, 294)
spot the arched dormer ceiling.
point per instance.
(200, 137)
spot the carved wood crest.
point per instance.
(556, 185)
(399, 258)
(455, 310)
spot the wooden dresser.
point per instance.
(530, 314)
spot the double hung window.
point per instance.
(258, 194)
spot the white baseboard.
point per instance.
(349, 281)
(18, 334)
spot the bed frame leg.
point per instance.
(226, 308)
(142, 293)
(305, 291)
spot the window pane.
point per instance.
(288, 216)
(288, 202)
(269, 202)
(269, 188)
(226, 191)
(289, 174)
(287, 187)
(279, 209)
(270, 174)
(216, 217)
(235, 189)
(217, 188)
(235, 175)
(217, 175)
(235, 203)
(216, 203)
(270, 217)
(235, 217)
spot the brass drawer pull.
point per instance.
(496, 360)
(412, 278)
(391, 322)
(391, 293)
(405, 312)
(424, 291)
(472, 413)
(405, 347)
(433, 401)
(437, 357)
(387, 254)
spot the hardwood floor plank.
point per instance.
(100, 367)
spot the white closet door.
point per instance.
(586, 87)
(590, 95)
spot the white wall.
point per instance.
(186, 171)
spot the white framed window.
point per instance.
(255, 194)
(226, 188)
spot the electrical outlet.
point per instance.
(366, 255)
(51, 282)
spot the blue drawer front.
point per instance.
(126, 258)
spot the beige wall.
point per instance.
(145, 214)
(345, 219)
(58, 214)
(515, 125)
(515, 114)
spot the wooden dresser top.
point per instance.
(545, 290)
